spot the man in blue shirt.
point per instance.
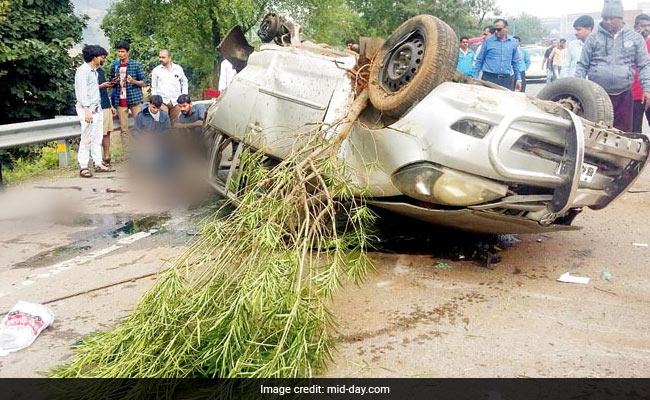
(499, 58)
(524, 63)
(465, 58)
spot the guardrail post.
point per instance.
(63, 150)
(2, 183)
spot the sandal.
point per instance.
(106, 162)
(103, 168)
(85, 173)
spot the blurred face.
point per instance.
(613, 24)
(554, 43)
(562, 44)
(464, 44)
(486, 32)
(501, 31)
(122, 54)
(101, 60)
(582, 33)
(153, 109)
(186, 108)
(164, 58)
(643, 28)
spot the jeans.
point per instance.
(507, 81)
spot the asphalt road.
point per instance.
(90, 248)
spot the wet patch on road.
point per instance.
(107, 228)
(396, 234)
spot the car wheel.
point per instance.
(418, 56)
(584, 98)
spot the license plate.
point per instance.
(588, 172)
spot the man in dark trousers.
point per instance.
(499, 58)
(608, 58)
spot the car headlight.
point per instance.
(441, 185)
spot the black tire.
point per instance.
(593, 102)
(397, 81)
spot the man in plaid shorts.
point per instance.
(128, 76)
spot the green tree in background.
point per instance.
(528, 27)
(192, 29)
(36, 71)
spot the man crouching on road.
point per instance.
(608, 58)
(151, 136)
(86, 88)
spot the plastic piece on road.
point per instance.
(640, 244)
(568, 278)
(22, 325)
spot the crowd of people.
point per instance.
(169, 106)
(613, 55)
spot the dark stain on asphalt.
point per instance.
(448, 312)
(108, 227)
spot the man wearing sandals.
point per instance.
(89, 110)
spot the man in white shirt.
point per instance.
(583, 27)
(168, 81)
(89, 110)
(226, 74)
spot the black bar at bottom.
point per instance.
(438, 389)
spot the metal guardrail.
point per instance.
(59, 129)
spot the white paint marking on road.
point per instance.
(81, 260)
(134, 238)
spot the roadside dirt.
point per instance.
(412, 318)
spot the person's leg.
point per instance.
(523, 81)
(637, 116)
(123, 115)
(647, 115)
(106, 135)
(96, 139)
(84, 142)
(623, 104)
(549, 75)
(174, 112)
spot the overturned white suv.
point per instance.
(444, 149)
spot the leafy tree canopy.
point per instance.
(528, 27)
(36, 71)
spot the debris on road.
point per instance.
(568, 278)
(606, 276)
(22, 325)
(443, 266)
(640, 244)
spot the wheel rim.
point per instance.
(403, 62)
(571, 103)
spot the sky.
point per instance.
(556, 8)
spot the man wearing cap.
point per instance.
(608, 58)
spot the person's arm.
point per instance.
(184, 83)
(81, 92)
(138, 80)
(480, 60)
(154, 81)
(137, 125)
(582, 65)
